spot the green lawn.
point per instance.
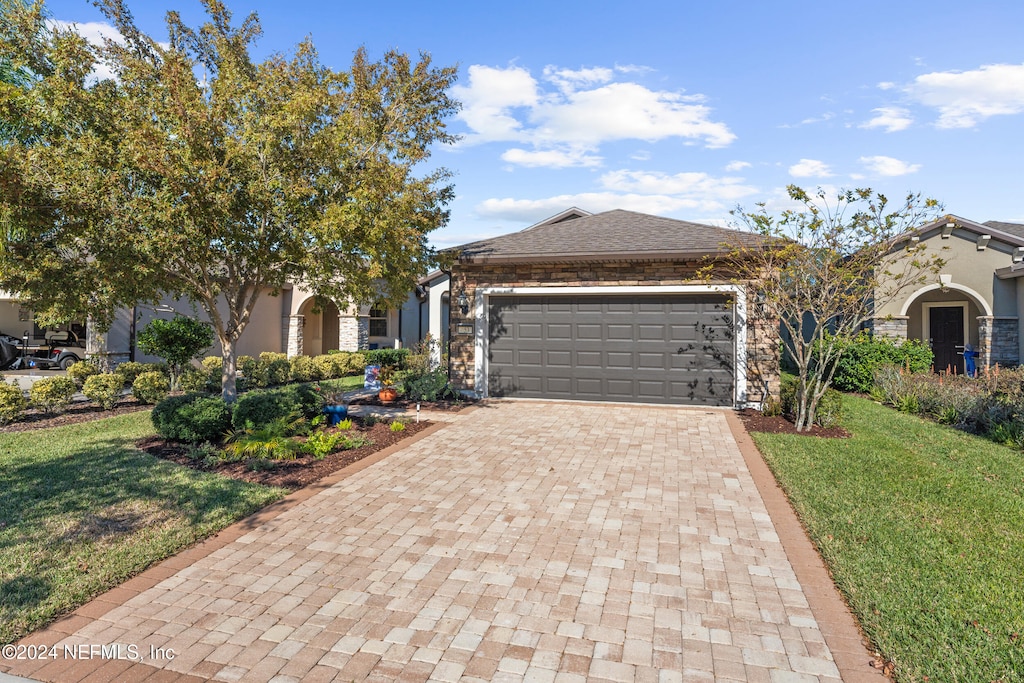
(923, 528)
(82, 510)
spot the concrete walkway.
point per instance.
(522, 541)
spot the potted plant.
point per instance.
(387, 393)
(332, 404)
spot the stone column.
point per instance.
(998, 341)
(348, 333)
(293, 335)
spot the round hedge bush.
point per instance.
(104, 388)
(151, 387)
(192, 418)
(12, 402)
(259, 408)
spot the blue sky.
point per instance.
(688, 109)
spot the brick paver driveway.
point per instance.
(526, 541)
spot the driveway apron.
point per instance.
(524, 541)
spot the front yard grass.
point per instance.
(82, 510)
(923, 529)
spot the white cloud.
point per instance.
(648, 192)
(890, 118)
(551, 158)
(699, 186)
(886, 85)
(888, 166)
(568, 80)
(533, 210)
(737, 166)
(584, 109)
(964, 98)
(94, 32)
(810, 168)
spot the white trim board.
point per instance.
(483, 293)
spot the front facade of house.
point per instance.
(606, 307)
(976, 298)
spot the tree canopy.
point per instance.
(824, 268)
(198, 172)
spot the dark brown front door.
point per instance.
(946, 329)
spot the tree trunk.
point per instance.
(229, 372)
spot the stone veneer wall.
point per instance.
(762, 338)
(998, 341)
(293, 344)
(894, 327)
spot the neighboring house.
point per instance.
(290, 322)
(977, 298)
(607, 307)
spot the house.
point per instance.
(976, 298)
(608, 307)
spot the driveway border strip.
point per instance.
(106, 670)
(836, 622)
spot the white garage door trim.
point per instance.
(481, 323)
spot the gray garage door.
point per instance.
(649, 349)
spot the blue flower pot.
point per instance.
(335, 414)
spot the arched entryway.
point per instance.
(321, 326)
(948, 317)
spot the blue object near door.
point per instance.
(969, 365)
(335, 414)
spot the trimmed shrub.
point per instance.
(215, 364)
(259, 408)
(355, 363)
(301, 397)
(52, 394)
(275, 368)
(330, 366)
(193, 379)
(12, 402)
(151, 387)
(80, 372)
(305, 369)
(192, 418)
(864, 354)
(104, 389)
(395, 358)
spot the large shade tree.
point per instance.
(199, 172)
(822, 270)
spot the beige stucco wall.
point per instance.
(971, 273)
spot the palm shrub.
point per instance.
(151, 387)
(12, 402)
(270, 441)
(52, 394)
(104, 388)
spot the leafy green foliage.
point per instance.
(104, 388)
(862, 355)
(270, 369)
(196, 379)
(397, 426)
(220, 188)
(429, 386)
(12, 402)
(52, 394)
(260, 408)
(306, 369)
(830, 405)
(387, 358)
(192, 418)
(320, 444)
(151, 387)
(177, 340)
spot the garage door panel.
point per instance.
(649, 348)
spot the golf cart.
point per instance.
(61, 349)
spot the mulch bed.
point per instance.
(754, 421)
(76, 413)
(444, 406)
(288, 474)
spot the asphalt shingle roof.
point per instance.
(610, 235)
(1016, 229)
